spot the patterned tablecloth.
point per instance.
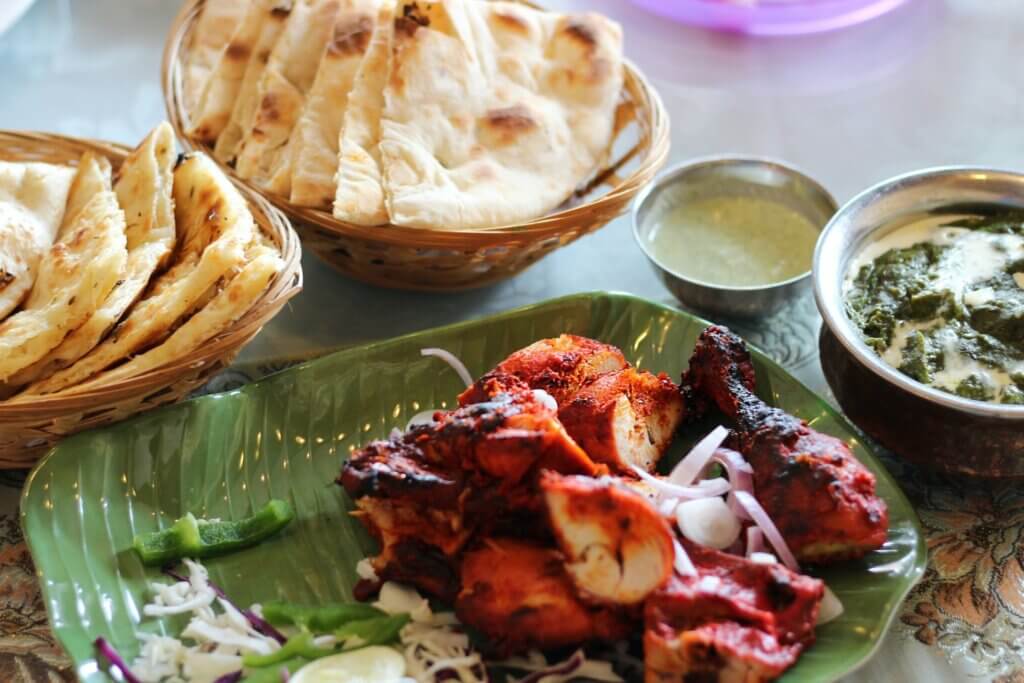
(969, 608)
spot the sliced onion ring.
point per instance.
(704, 489)
(740, 475)
(831, 608)
(771, 532)
(755, 540)
(424, 417)
(450, 358)
(682, 562)
(693, 463)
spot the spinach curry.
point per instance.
(943, 301)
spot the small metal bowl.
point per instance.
(738, 177)
(919, 423)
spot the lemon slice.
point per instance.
(369, 665)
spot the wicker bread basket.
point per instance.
(29, 428)
(412, 258)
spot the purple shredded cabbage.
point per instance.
(562, 669)
(232, 677)
(116, 661)
(261, 625)
(286, 675)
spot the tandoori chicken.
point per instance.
(617, 547)
(520, 596)
(734, 621)
(619, 415)
(474, 470)
(821, 498)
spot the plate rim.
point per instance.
(914, 574)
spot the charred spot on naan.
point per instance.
(236, 52)
(352, 38)
(586, 44)
(509, 19)
(506, 126)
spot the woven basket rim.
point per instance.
(650, 108)
(21, 145)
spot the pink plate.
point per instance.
(771, 17)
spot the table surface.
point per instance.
(935, 82)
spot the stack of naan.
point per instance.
(452, 114)
(105, 277)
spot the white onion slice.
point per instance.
(831, 608)
(741, 476)
(755, 540)
(771, 532)
(682, 563)
(704, 489)
(763, 558)
(451, 360)
(708, 522)
(693, 463)
(547, 399)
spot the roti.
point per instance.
(244, 107)
(522, 117)
(314, 142)
(75, 276)
(33, 197)
(263, 156)
(214, 230)
(143, 189)
(360, 192)
(227, 305)
(214, 27)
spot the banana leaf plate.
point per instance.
(286, 436)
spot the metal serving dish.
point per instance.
(729, 176)
(921, 424)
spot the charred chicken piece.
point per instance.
(624, 418)
(618, 548)
(559, 366)
(426, 492)
(519, 595)
(736, 621)
(819, 495)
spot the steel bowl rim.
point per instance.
(840, 325)
(673, 172)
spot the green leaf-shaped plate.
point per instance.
(286, 436)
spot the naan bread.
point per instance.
(75, 276)
(360, 192)
(494, 112)
(244, 107)
(33, 198)
(314, 142)
(143, 189)
(92, 177)
(215, 228)
(214, 27)
(227, 306)
(263, 155)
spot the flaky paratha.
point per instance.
(314, 142)
(359, 197)
(75, 276)
(215, 228)
(244, 107)
(494, 112)
(227, 306)
(214, 26)
(33, 198)
(263, 155)
(143, 189)
(221, 89)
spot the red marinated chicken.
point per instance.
(736, 621)
(426, 492)
(617, 547)
(818, 494)
(520, 596)
(559, 366)
(619, 415)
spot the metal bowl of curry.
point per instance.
(920, 282)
